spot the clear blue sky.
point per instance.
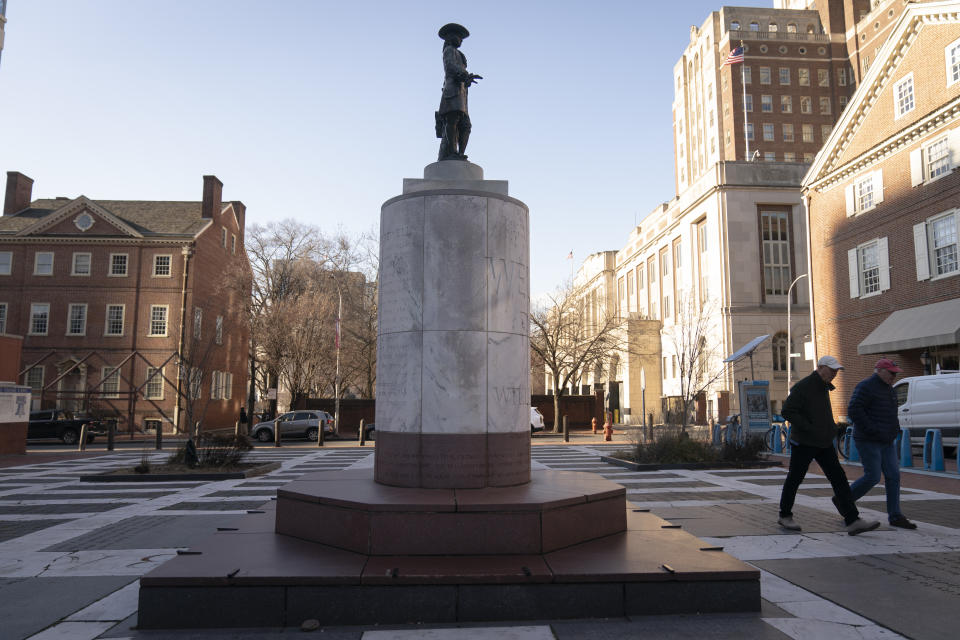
(317, 109)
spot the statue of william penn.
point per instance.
(453, 119)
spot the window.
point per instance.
(227, 385)
(869, 268)
(158, 320)
(865, 193)
(233, 241)
(772, 27)
(769, 156)
(781, 356)
(677, 254)
(935, 159)
(952, 54)
(161, 266)
(784, 75)
(789, 156)
(936, 246)
(81, 264)
(118, 264)
(702, 259)
(842, 102)
(747, 75)
(748, 102)
(806, 132)
(808, 158)
(754, 26)
(824, 105)
(823, 77)
(641, 282)
(786, 104)
(903, 96)
(39, 318)
(114, 324)
(43, 263)
(749, 131)
(806, 105)
(195, 382)
(768, 131)
(3, 317)
(787, 132)
(791, 27)
(735, 26)
(842, 76)
(110, 385)
(197, 322)
(775, 240)
(803, 77)
(766, 104)
(77, 320)
(153, 389)
(223, 237)
(764, 75)
(216, 385)
(6, 263)
(219, 329)
(35, 379)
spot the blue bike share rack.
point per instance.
(850, 447)
(775, 435)
(903, 442)
(933, 451)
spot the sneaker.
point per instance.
(902, 522)
(788, 523)
(860, 525)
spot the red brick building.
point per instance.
(129, 309)
(883, 201)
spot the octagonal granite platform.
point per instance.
(342, 549)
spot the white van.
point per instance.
(930, 402)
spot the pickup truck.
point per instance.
(63, 425)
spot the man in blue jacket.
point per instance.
(812, 429)
(873, 409)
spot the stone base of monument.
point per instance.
(342, 549)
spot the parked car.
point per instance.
(370, 431)
(536, 420)
(63, 425)
(295, 424)
(930, 402)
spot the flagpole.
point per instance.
(743, 83)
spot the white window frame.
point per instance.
(769, 132)
(218, 336)
(195, 384)
(151, 385)
(36, 386)
(36, 263)
(768, 74)
(856, 191)
(3, 317)
(156, 261)
(166, 321)
(803, 77)
(804, 128)
(6, 266)
(748, 103)
(107, 389)
(126, 265)
(83, 328)
(37, 308)
(197, 323)
(223, 237)
(784, 76)
(106, 320)
(855, 268)
(775, 252)
(951, 58)
(73, 267)
(904, 96)
(787, 127)
(227, 385)
(233, 244)
(786, 104)
(766, 103)
(924, 246)
(920, 163)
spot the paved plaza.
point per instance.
(71, 553)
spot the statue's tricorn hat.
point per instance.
(453, 29)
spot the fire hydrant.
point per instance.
(593, 424)
(608, 429)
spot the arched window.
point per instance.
(754, 26)
(781, 354)
(811, 29)
(772, 28)
(734, 26)
(792, 27)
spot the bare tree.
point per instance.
(694, 343)
(572, 337)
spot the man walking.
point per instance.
(811, 438)
(873, 409)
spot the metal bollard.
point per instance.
(906, 454)
(850, 446)
(933, 450)
(111, 434)
(362, 436)
(82, 446)
(158, 444)
(276, 434)
(777, 434)
(320, 434)
(566, 433)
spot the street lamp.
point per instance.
(790, 354)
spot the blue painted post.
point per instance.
(777, 440)
(906, 455)
(933, 450)
(850, 447)
(715, 436)
(787, 447)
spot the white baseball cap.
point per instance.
(829, 361)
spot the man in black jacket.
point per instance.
(812, 430)
(873, 409)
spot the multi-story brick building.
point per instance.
(130, 309)
(884, 205)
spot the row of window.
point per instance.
(114, 320)
(936, 251)
(788, 132)
(784, 76)
(786, 104)
(154, 383)
(904, 99)
(771, 27)
(82, 264)
(233, 240)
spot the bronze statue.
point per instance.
(453, 119)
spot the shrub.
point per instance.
(677, 448)
(213, 450)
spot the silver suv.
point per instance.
(295, 424)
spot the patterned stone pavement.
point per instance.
(71, 553)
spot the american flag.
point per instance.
(736, 56)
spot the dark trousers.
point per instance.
(800, 458)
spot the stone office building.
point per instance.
(122, 302)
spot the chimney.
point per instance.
(212, 192)
(19, 188)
